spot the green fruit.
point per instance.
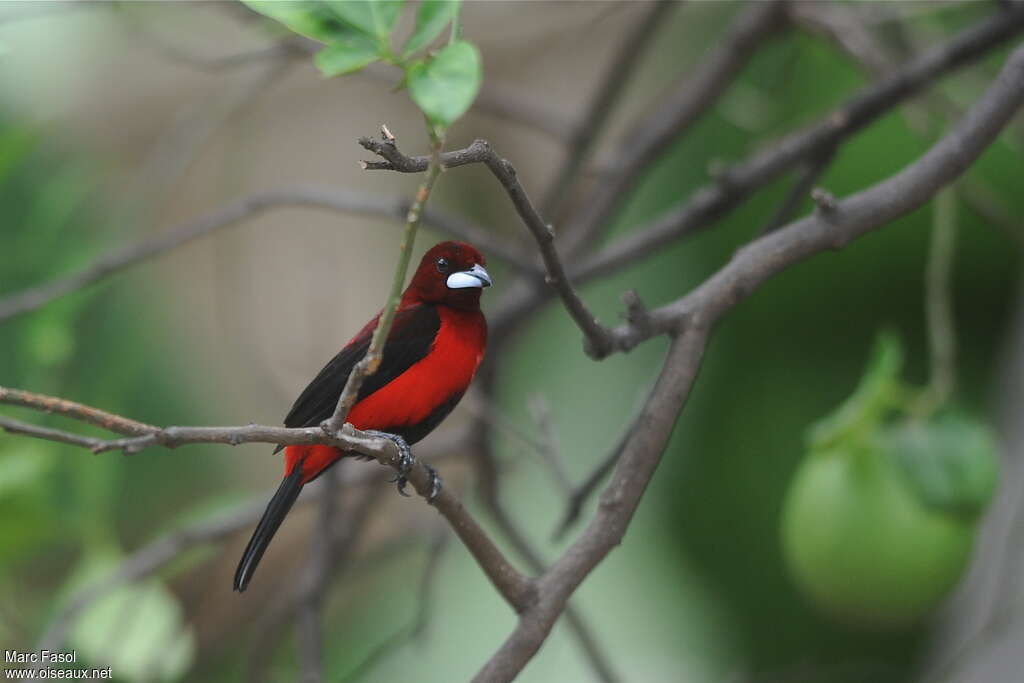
(863, 547)
(880, 519)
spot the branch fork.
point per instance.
(597, 341)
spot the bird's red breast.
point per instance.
(444, 372)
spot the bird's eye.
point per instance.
(442, 265)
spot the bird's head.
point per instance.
(451, 273)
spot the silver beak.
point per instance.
(476, 276)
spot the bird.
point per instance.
(430, 356)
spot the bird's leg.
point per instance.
(405, 459)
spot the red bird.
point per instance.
(430, 356)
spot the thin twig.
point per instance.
(550, 451)
(369, 363)
(154, 555)
(809, 174)
(417, 626)
(138, 27)
(481, 152)
(739, 181)
(618, 503)
(25, 429)
(850, 218)
(302, 599)
(516, 588)
(491, 496)
(711, 202)
(580, 494)
(939, 303)
(651, 136)
(990, 206)
(77, 411)
(611, 85)
(483, 409)
(151, 557)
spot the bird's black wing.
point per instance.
(409, 341)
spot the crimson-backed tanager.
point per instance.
(430, 356)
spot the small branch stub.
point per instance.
(824, 200)
(636, 313)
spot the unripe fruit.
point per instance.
(880, 519)
(861, 545)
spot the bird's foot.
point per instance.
(435, 483)
(405, 459)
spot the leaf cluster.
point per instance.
(443, 83)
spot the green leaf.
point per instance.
(346, 57)
(138, 630)
(21, 467)
(373, 17)
(312, 19)
(356, 32)
(49, 339)
(431, 18)
(445, 86)
(950, 462)
(28, 519)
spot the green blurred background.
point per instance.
(227, 329)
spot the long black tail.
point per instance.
(276, 510)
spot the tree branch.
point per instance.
(734, 184)
(480, 152)
(809, 174)
(157, 553)
(514, 587)
(851, 218)
(651, 135)
(691, 319)
(77, 411)
(711, 202)
(580, 494)
(618, 503)
(618, 75)
(490, 495)
(25, 429)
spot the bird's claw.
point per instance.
(405, 458)
(402, 481)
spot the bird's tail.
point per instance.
(277, 508)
